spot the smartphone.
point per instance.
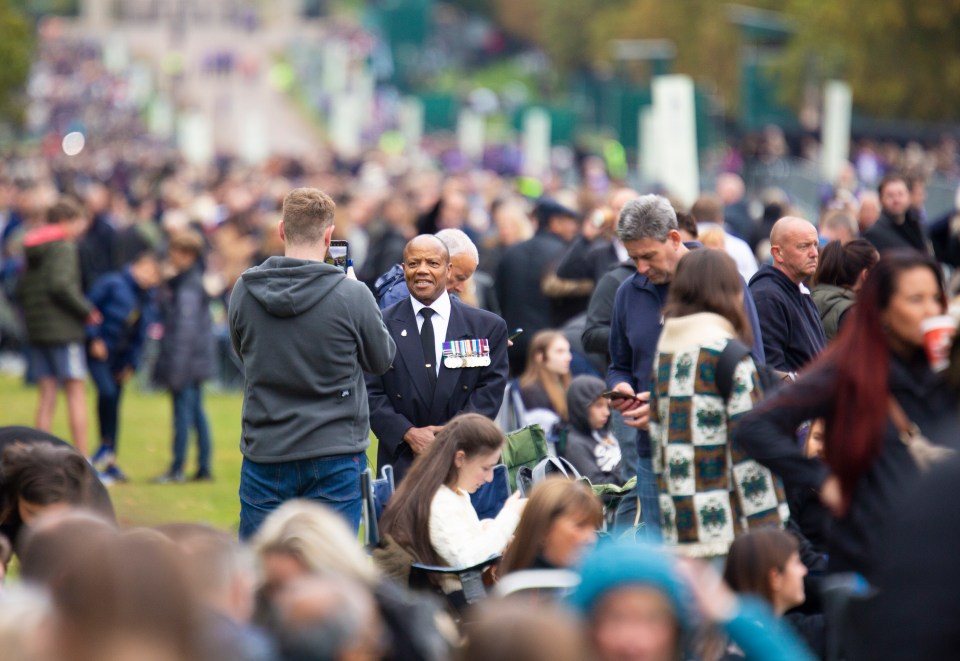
(339, 254)
(515, 334)
(617, 396)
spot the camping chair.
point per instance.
(557, 583)
(428, 577)
(488, 500)
(524, 447)
(375, 494)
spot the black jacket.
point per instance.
(596, 332)
(789, 320)
(98, 251)
(186, 350)
(768, 435)
(887, 234)
(518, 284)
(917, 614)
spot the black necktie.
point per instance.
(429, 345)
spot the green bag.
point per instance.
(526, 446)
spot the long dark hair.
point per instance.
(861, 357)
(708, 281)
(407, 516)
(841, 264)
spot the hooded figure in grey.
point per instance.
(594, 452)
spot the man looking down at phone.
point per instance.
(305, 333)
(451, 358)
(649, 231)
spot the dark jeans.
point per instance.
(108, 400)
(187, 415)
(649, 498)
(333, 481)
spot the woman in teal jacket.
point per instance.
(642, 602)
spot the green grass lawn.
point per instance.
(146, 424)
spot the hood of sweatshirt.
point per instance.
(583, 392)
(287, 287)
(769, 275)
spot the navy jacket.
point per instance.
(520, 274)
(792, 331)
(186, 350)
(635, 330)
(400, 399)
(127, 312)
(98, 251)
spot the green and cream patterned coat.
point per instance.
(710, 490)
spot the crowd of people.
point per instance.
(773, 394)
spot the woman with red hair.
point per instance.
(870, 386)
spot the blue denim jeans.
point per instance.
(649, 498)
(333, 481)
(108, 401)
(188, 415)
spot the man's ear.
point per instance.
(283, 234)
(673, 236)
(328, 235)
(775, 252)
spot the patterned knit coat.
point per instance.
(710, 490)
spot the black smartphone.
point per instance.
(515, 334)
(339, 254)
(617, 396)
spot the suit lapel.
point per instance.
(409, 350)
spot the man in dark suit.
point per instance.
(451, 358)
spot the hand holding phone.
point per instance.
(339, 254)
(633, 407)
(617, 396)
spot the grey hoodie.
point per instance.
(305, 334)
(595, 453)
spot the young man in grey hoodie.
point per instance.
(305, 333)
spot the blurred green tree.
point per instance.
(16, 48)
(901, 57)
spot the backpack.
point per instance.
(730, 357)
(386, 282)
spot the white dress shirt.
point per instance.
(440, 319)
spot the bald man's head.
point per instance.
(426, 267)
(795, 248)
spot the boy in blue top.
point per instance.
(125, 299)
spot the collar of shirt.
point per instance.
(440, 321)
(440, 307)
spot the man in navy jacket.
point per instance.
(792, 331)
(649, 231)
(408, 404)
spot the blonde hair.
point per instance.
(549, 500)
(318, 537)
(23, 613)
(307, 213)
